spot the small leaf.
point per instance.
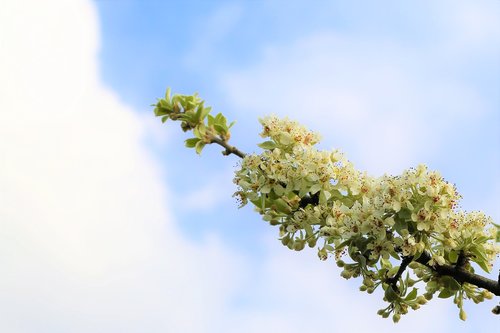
(395, 255)
(282, 206)
(279, 190)
(324, 196)
(412, 295)
(285, 139)
(164, 104)
(265, 189)
(453, 256)
(450, 283)
(205, 112)
(308, 228)
(480, 258)
(211, 120)
(199, 147)
(164, 119)
(392, 272)
(315, 188)
(267, 145)
(498, 232)
(191, 143)
(446, 293)
(390, 294)
(220, 129)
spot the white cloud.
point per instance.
(87, 244)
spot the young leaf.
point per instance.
(453, 256)
(267, 145)
(191, 143)
(446, 293)
(412, 295)
(199, 146)
(390, 294)
(315, 188)
(220, 129)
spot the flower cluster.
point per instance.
(318, 198)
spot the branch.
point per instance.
(229, 149)
(404, 263)
(461, 275)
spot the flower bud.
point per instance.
(421, 300)
(299, 245)
(346, 274)
(462, 314)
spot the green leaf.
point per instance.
(205, 112)
(324, 196)
(265, 189)
(480, 258)
(404, 214)
(412, 295)
(394, 254)
(211, 120)
(267, 145)
(165, 104)
(400, 225)
(199, 147)
(446, 293)
(160, 110)
(285, 139)
(315, 188)
(279, 190)
(220, 129)
(450, 283)
(390, 294)
(498, 232)
(453, 256)
(191, 143)
(167, 94)
(164, 119)
(308, 228)
(392, 272)
(282, 206)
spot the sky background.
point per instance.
(108, 224)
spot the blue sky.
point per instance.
(111, 225)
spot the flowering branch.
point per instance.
(317, 198)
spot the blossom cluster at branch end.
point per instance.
(367, 224)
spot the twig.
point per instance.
(229, 149)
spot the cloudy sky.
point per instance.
(107, 224)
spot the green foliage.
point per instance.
(194, 116)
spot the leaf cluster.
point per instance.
(194, 116)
